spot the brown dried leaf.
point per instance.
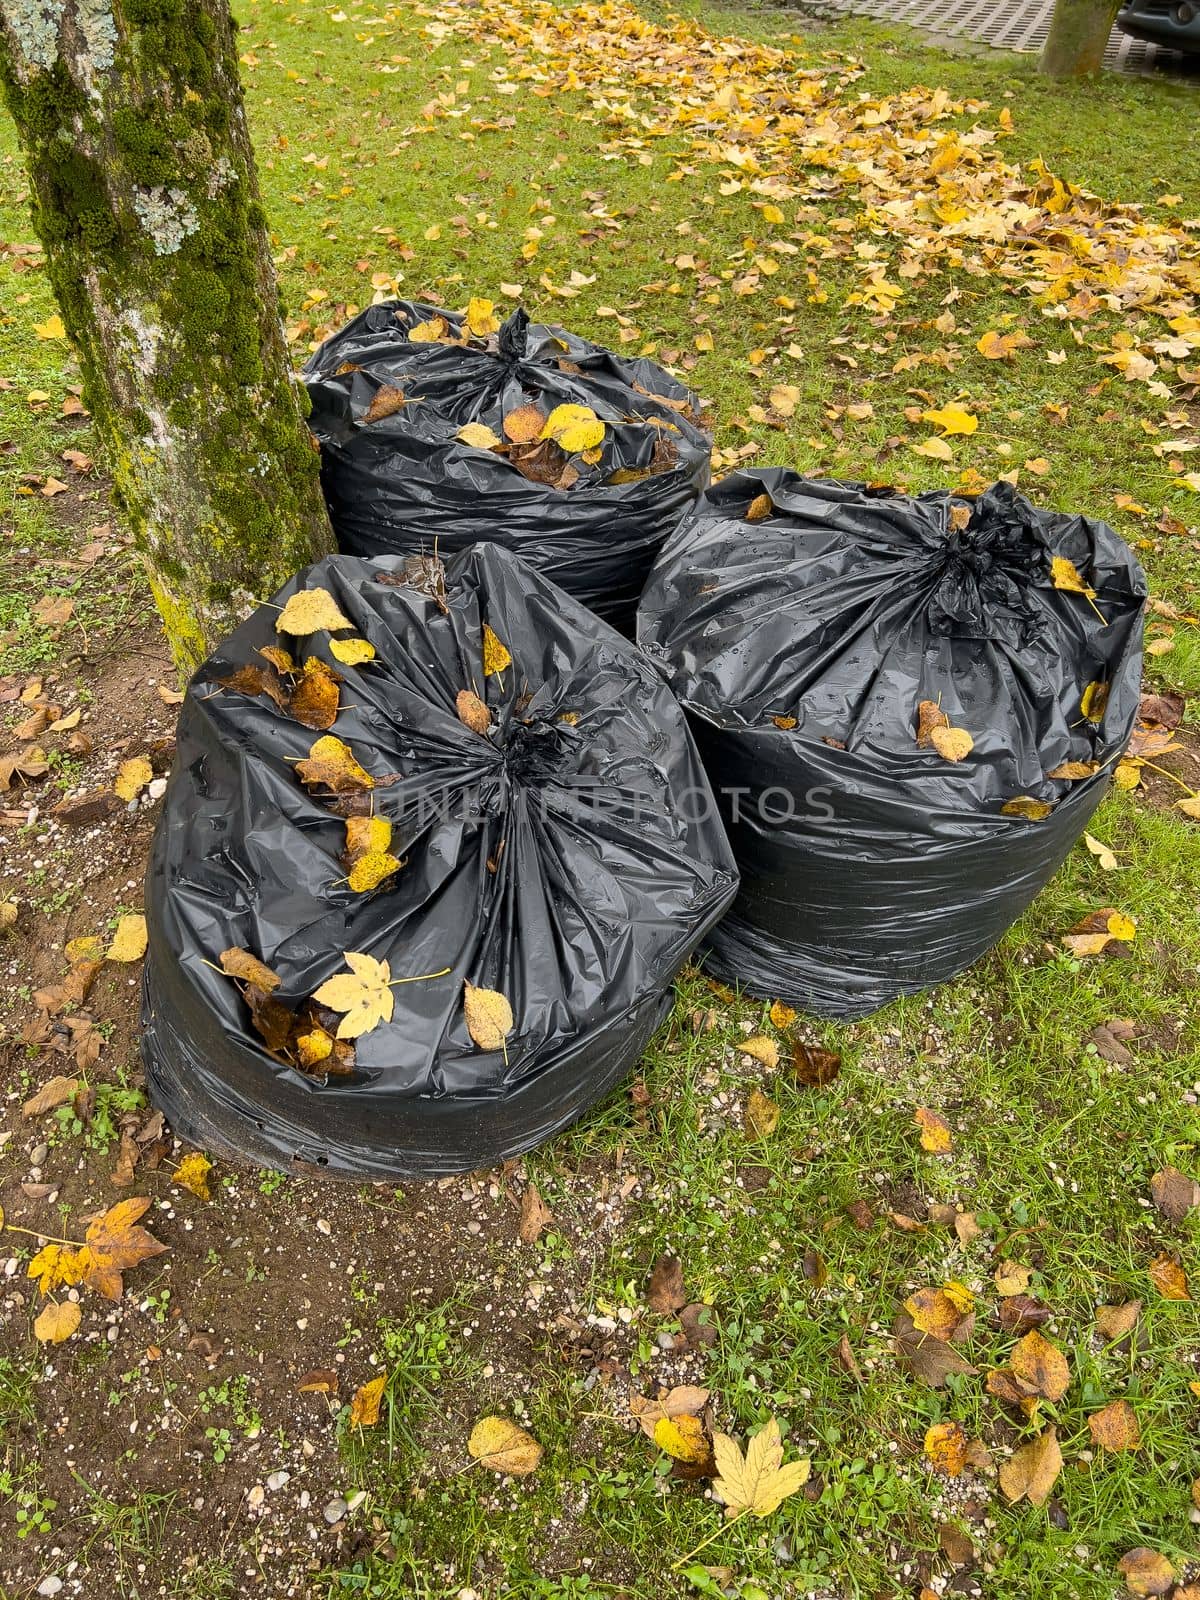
(1021, 1312)
(1116, 1322)
(239, 963)
(385, 402)
(929, 717)
(1115, 1427)
(314, 699)
(1174, 1193)
(255, 680)
(686, 1400)
(523, 425)
(115, 1245)
(928, 1359)
(57, 1092)
(1168, 1277)
(472, 712)
(813, 1065)
(536, 1216)
(1146, 1572)
(665, 1293)
(1041, 1366)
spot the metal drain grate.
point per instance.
(1020, 25)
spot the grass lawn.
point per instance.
(748, 216)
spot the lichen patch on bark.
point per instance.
(146, 200)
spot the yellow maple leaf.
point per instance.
(363, 994)
(757, 1482)
(951, 419)
(52, 328)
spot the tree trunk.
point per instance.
(146, 201)
(1078, 37)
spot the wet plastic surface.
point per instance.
(552, 859)
(843, 610)
(404, 482)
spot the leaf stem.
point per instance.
(724, 1528)
(420, 977)
(1163, 773)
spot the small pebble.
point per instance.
(335, 1510)
(49, 1586)
(37, 1156)
(278, 1479)
(156, 788)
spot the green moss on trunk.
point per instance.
(146, 199)
(1078, 37)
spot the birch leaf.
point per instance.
(495, 652)
(330, 764)
(57, 1321)
(370, 870)
(130, 939)
(479, 436)
(192, 1172)
(132, 777)
(489, 1017)
(366, 1401)
(352, 652)
(498, 1443)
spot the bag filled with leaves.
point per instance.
(908, 707)
(439, 429)
(436, 843)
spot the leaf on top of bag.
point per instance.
(310, 611)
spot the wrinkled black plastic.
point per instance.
(398, 485)
(844, 609)
(602, 884)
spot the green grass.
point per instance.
(1054, 1147)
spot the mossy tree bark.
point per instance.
(145, 198)
(1079, 31)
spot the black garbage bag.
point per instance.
(503, 795)
(390, 405)
(812, 642)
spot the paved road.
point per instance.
(1010, 25)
